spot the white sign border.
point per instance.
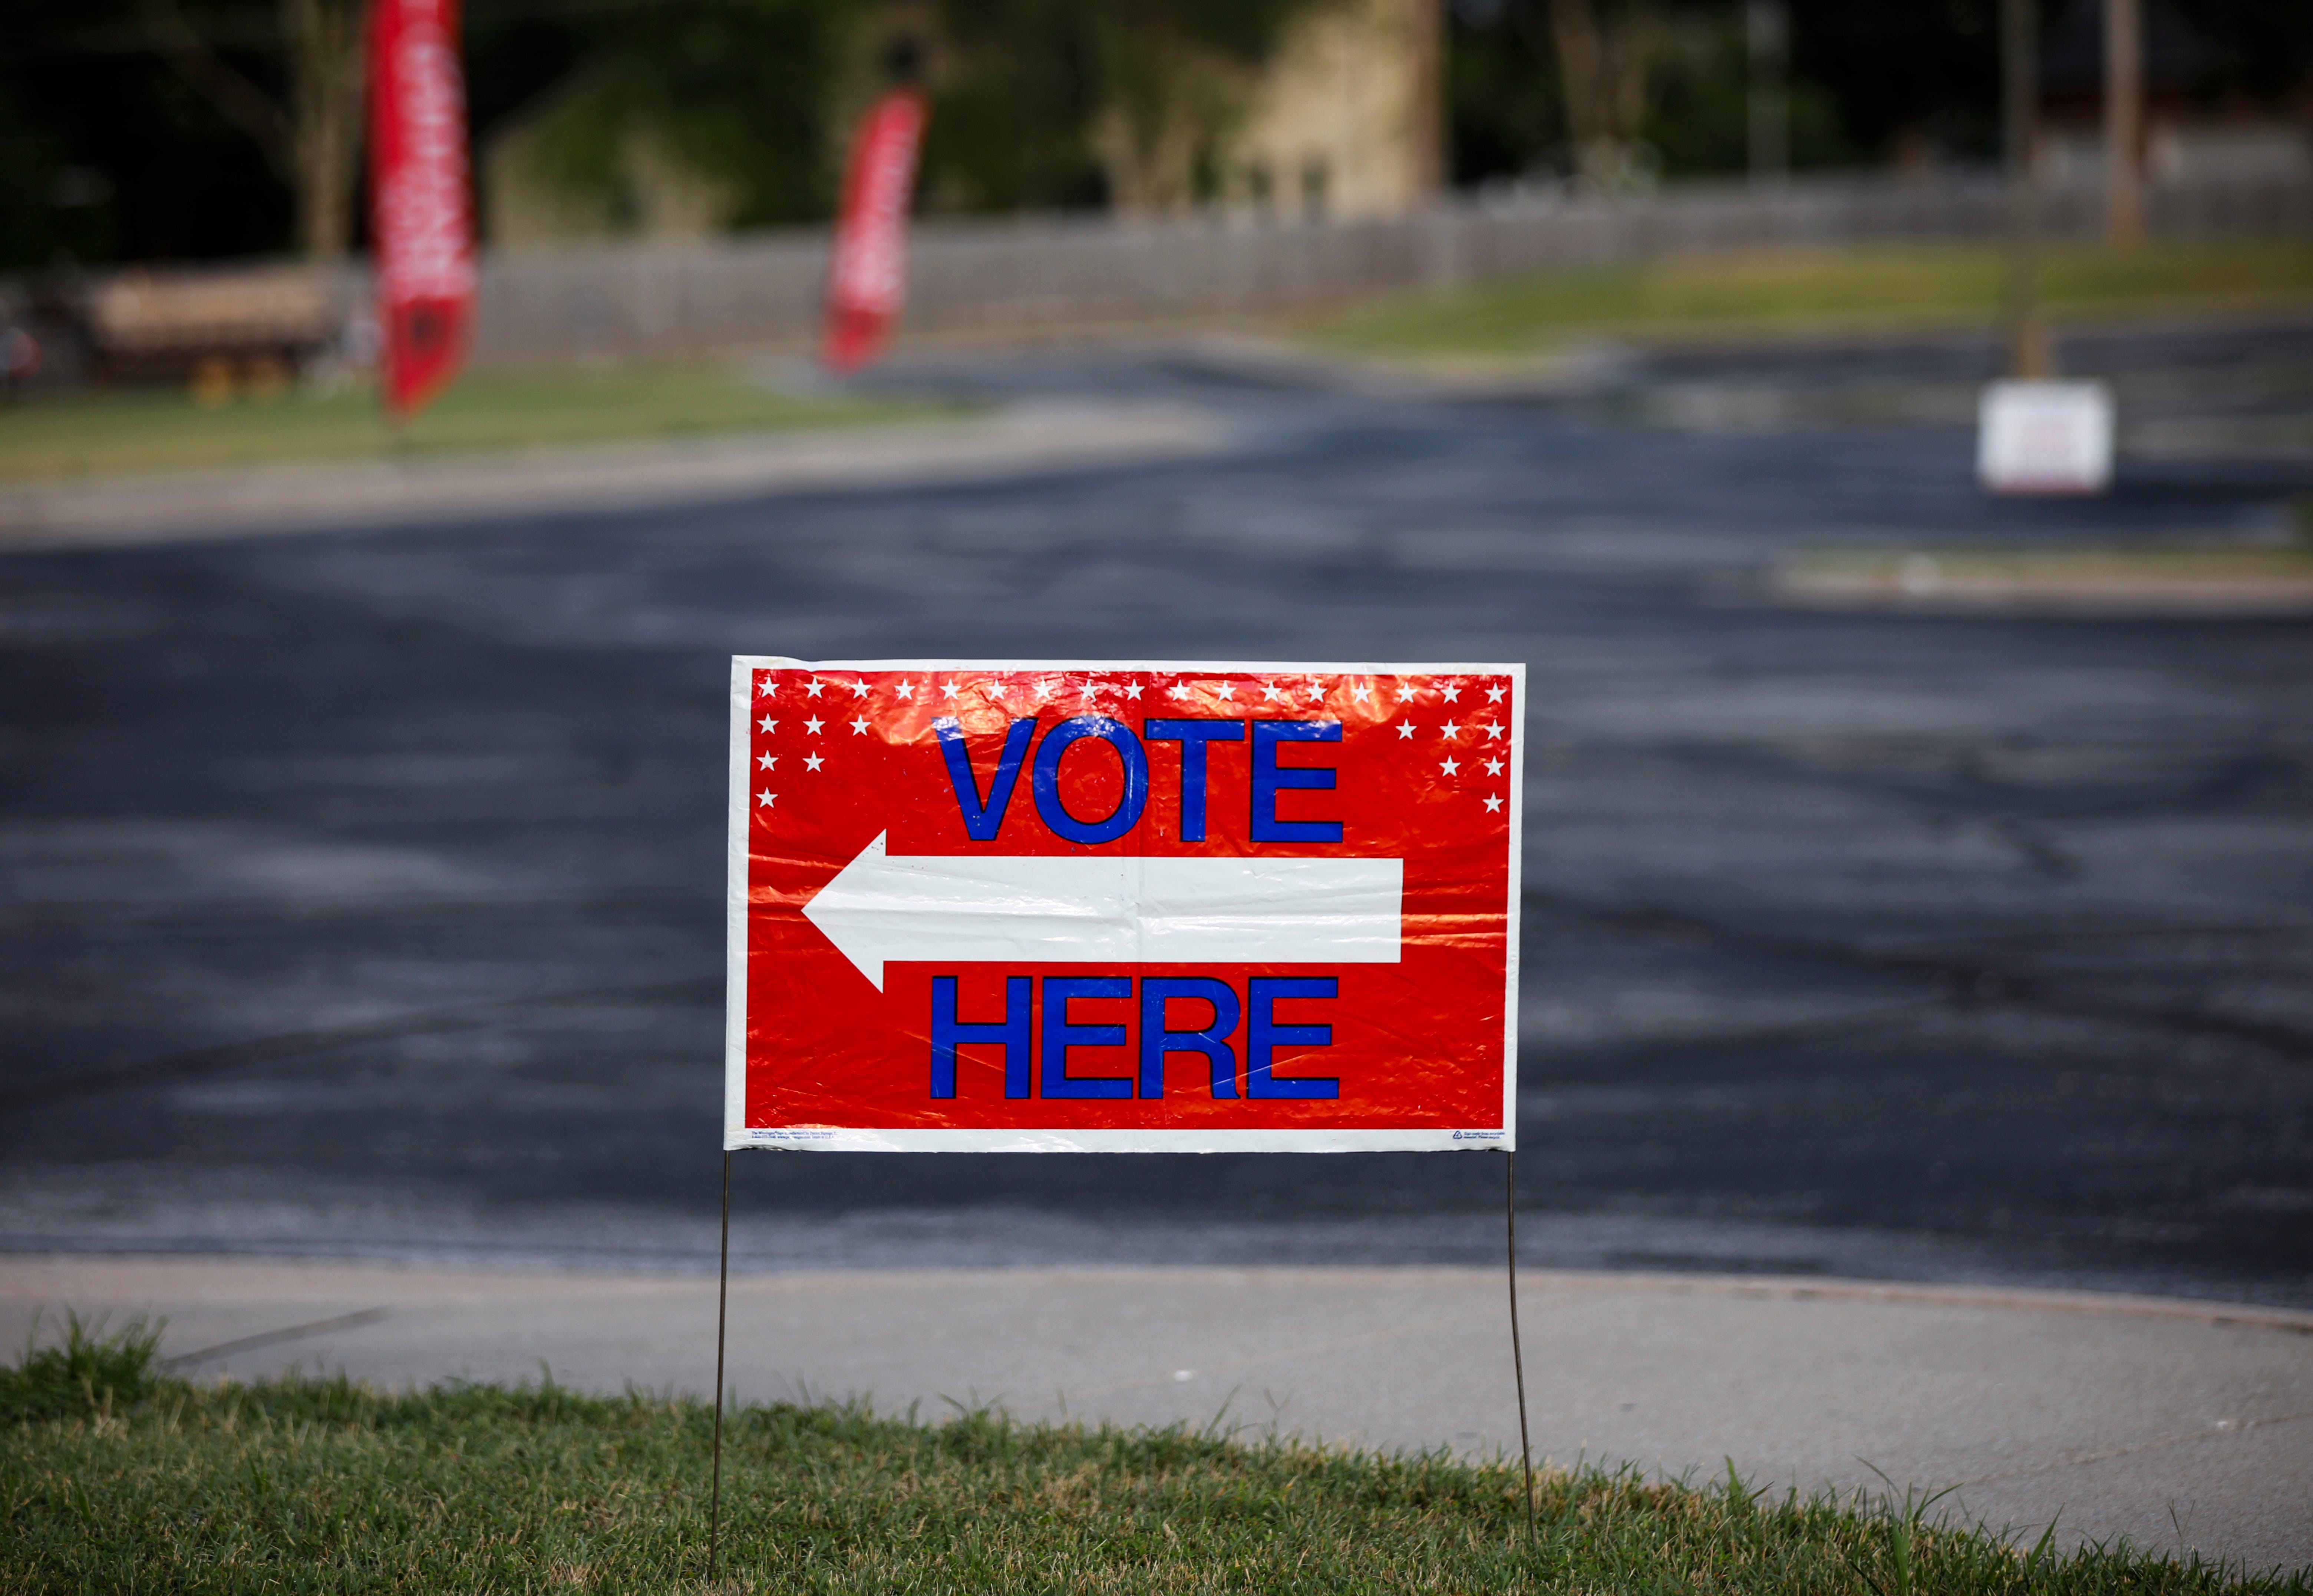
(738, 1137)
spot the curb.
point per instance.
(1531, 1279)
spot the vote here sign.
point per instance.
(1116, 907)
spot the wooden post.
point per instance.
(1766, 27)
(2028, 354)
(1433, 156)
(2124, 120)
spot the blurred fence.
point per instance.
(1047, 275)
(1051, 274)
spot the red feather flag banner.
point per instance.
(421, 214)
(868, 273)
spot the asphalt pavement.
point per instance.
(363, 888)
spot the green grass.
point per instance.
(84, 1371)
(155, 430)
(146, 1484)
(1802, 292)
(2152, 563)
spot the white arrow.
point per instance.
(1109, 909)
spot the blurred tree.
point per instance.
(738, 90)
(1604, 67)
(1698, 105)
(308, 128)
(106, 153)
(1922, 76)
(32, 168)
(1063, 103)
(1011, 126)
(2259, 49)
(108, 150)
(1664, 89)
(1505, 103)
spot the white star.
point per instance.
(770, 761)
(811, 761)
(1494, 694)
(766, 798)
(768, 724)
(1450, 729)
(860, 689)
(1494, 804)
(814, 686)
(1179, 689)
(905, 690)
(768, 685)
(1269, 693)
(1226, 692)
(1493, 729)
(1404, 730)
(859, 726)
(1493, 767)
(1043, 689)
(1450, 766)
(1361, 692)
(1316, 691)
(813, 724)
(1406, 689)
(950, 690)
(1450, 692)
(1132, 690)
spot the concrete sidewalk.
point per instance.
(2174, 1423)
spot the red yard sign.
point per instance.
(420, 212)
(1018, 906)
(867, 271)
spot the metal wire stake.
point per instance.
(722, 1302)
(1517, 1356)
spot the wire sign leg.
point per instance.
(722, 1305)
(1517, 1356)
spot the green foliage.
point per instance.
(86, 1371)
(321, 1485)
(1012, 115)
(737, 89)
(1923, 69)
(107, 152)
(1505, 106)
(1507, 102)
(1024, 83)
(752, 93)
(30, 166)
(95, 433)
(1698, 107)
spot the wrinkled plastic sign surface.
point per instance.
(1117, 907)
